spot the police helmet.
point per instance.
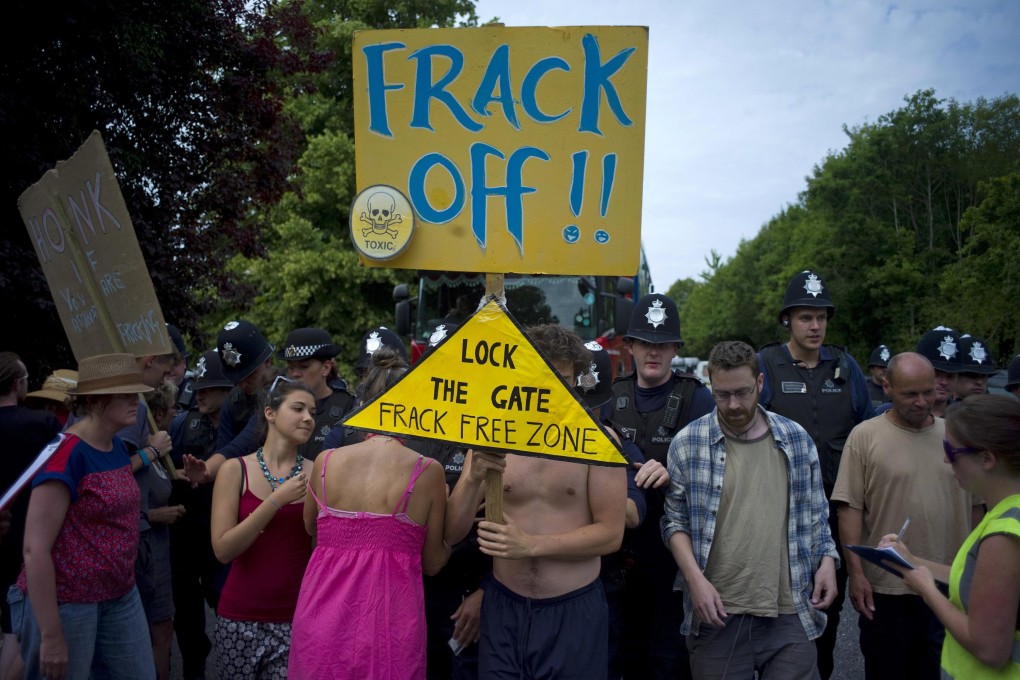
(594, 386)
(178, 339)
(940, 346)
(308, 343)
(242, 349)
(879, 356)
(806, 290)
(655, 319)
(974, 357)
(209, 372)
(373, 340)
(1013, 373)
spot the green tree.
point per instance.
(186, 96)
(979, 292)
(309, 274)
(888, 224)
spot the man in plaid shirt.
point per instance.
(746, 519)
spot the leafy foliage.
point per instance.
(913, 224)
(187, 96)
(308, 273)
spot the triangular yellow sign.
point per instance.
(485, 386)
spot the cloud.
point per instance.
(745, 98)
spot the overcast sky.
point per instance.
(745, 98)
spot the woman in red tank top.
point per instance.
(257, 526)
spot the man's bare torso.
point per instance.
(546, 497)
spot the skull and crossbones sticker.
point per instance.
(382, 222)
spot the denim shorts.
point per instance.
(106, 640)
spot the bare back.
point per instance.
(371, 476)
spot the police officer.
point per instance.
(371, 341)
(823, 389)
(877, 363)
(179, 372)
(651, 405)
(247, 361)
(976, 367)
(1013, 376)
(311, 359)
(594, 388)
(197, 574)
(941, 346)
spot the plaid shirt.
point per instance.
(696, 467)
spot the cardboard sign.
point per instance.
(485, 386)
(86, 244)
(520, 149)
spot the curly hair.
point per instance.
(560, 346)
(730, 354)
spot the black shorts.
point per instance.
(558, 637)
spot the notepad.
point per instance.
(881, 555)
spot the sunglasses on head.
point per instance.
(276, 381)
(953, 451)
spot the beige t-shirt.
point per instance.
(749, 563)
(892, 472)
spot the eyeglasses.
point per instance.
(276, 381)
(742, 394)
(953, 451)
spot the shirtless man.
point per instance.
(544, 613)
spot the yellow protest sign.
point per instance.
(487, 387)
(82, 233)
(519, 149)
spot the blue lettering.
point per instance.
(580, 161)
(378, 120)
(497, 73)
(608, 175)
(513, 192)
(596, 79)
(425, 90)
(530, 84)
(419, 198)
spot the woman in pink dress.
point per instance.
(377, 510)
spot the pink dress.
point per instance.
(361, 611)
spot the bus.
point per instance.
(595, 307)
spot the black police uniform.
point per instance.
(328, 414)
(653, 614)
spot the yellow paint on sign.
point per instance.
(487, 387)
(519, 149)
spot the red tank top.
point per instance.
(264, 581)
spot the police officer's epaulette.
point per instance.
(236, 396)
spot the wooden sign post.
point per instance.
(499, 150)
(494, 478)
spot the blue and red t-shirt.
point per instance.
(94, 553)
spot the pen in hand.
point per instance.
(903, 529)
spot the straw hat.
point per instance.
(56, 385)
(109, 374)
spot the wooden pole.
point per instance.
(494, 478)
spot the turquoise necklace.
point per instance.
(273, 481)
